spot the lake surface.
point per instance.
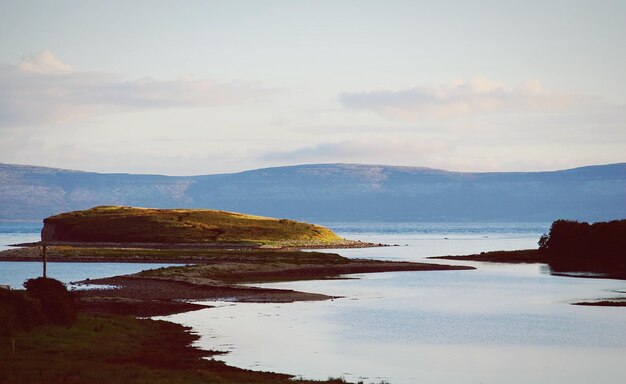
(19, 232)
(15, 273)
(498, 324)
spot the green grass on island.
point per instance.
(116, 224)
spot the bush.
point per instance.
(58, 305)
(18, 312)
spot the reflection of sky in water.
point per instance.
(499, 324)
(15, 273)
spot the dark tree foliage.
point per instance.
(58, 305)
(18, 312)
(598, 247)
(45, 301)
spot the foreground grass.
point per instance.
(113, 349)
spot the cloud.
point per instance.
(42, 89)
(476, 96)
(372, 150)
(43, 63)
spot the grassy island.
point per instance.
(128, 225)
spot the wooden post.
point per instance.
(13, 345)
(43, 249)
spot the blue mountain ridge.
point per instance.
(331, 193)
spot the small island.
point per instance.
(188, 227)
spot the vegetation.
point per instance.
(217, 274)
(273, 266)
(114, 349)
(571, 247)
(18, 312)
(520, 256)
(145, 225)
(43, 340)
(167, 255)
(45, 301)
(582, 247)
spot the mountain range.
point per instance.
(330, 193)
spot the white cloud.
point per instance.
(43, 63)
(42, 89)
(476, 96)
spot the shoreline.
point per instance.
(523, 256)
(198, 275)
(534, 256)
(103, 348)
(206, 274)
(160, 293)
(286, 245)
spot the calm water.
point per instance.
(15, 273)
(22, 232)
(498, 324)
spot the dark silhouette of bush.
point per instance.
(583, 247)
(18, 312)
(58, 305)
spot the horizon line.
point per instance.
(311, 165)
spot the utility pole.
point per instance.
(43, 251)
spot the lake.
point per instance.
(500, 323)
(15, 273)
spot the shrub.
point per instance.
(58, 305)
(18, 312)
(597, 247)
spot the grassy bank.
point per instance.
(114, 349)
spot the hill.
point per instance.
(112, 224)
(331, 193)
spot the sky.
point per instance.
(203, 87)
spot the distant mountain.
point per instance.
(330, 193)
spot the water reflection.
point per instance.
(499, 324)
